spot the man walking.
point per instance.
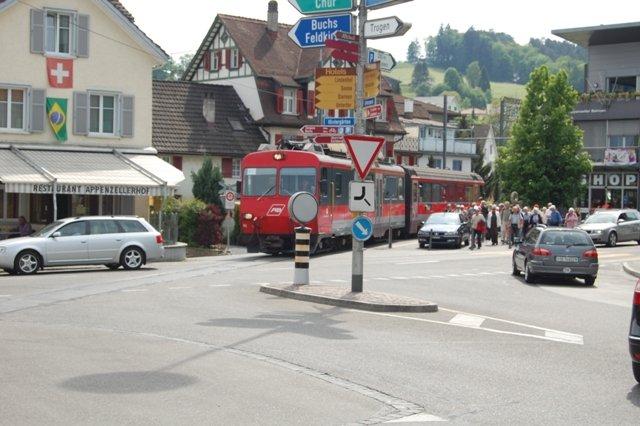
(516, 222)
(555, 218)
(493, 224)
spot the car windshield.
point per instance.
(443, 219)
(564, 238)
(47, 229)
(601, 218)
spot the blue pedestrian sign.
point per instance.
(362, 228)
(315, 30)
(342, 121)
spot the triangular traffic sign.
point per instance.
(363, 151)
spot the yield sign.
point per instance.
(363, 151)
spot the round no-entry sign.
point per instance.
(229, 198)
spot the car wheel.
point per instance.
(466, 242)
(514, 269)
(636, 371)
(422, 245)
(612, 240)
(113, 266)
(27, 262)
(132, 258)
(529, 278)
(590, 280)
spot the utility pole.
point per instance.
(444, 134)
(360, 128)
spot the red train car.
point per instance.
(404, 197)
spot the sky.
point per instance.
(179, 26)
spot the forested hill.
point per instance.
(503, 59)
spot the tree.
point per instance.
(544, 160)
(452, 79)
(173, 70)
(484, 83)
(474, 74)
(207, 183)
(423, 90)
(420, 74)
(413, 52)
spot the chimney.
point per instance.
(272, 17)
(408, 108)
(209, 109)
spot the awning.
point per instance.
(100, 172)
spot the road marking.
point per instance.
(437, 276)
(337, 281)
(134, 290)
(419, 277)
(576, 338)
(178, 288)
(5, 295)
(469, 275)
(263, 283)
(418, 262)
(470, 320)
(399, 278)
(219, 285)
(418, 418)
(453, 275)
(382, 279)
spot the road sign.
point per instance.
(228, 225)
(373, 111)
(361, 228)
(362, 196)
(372, 82)
(369, 102)
(387, 61)
(326, 139)
(342, 45)
(310, 7)
(342, 121)
(363, 151)
(314, 31)
(378, 4)
(303, 207)
(351, 38)
(229, 199)
(320, 130)
(345, 56)
(385, 27)
(336, 88)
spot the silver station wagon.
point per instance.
(112, 241)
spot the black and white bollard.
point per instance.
(302, 250)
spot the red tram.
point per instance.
(405, 196)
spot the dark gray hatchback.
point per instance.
(556, 251)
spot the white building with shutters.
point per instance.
(91, 54)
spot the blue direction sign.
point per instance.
(344, 121)
(314, 31)
(362, 228)
(369, 102)
(377, 4)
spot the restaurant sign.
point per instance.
(77, 189)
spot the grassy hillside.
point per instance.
(404, 70)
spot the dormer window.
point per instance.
(234, 59)
(58, 32)
(289, 104)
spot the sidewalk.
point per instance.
(632, 268)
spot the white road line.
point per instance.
(469, 275)
(470, 320)
(576, 338)
(263, 283)
(453, 275)
(5, 295)
(558, 338)
(219, 285)
(381, 279)
(337, 281)
(419, 277)
(178, 288)
(399, 278)
(438, 276)
(418, 262)
(418, 418)
(134, 290)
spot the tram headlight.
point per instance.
(278, 156)
(248, 216)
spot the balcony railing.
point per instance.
(453, 146)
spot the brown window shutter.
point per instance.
(227, 59)
(389, 109)
(240, 60)
(206, 63)
(412, 161)
(177, 162)
(344, 113)
(279, 100)
(398, 159)
(227, 167)
(300, 102)
(311, 102)
(218, 53)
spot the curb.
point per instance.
(630, 270)
(292, 292)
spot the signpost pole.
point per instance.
(357, 263)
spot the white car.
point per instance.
(112, 241)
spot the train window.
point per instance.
(391, 188)
(436, 195)
(401, 189)
(296, 179)
(425, 192)
(324, 182)
(259, 182)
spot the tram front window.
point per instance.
(297, 179)
(259, 182)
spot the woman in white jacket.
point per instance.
(494, 224)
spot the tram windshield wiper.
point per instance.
(271, 188)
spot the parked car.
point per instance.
(113, 241)
(634, 333)
(445, 228)
(556, 252)
(612, 226)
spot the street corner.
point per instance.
(345, 298)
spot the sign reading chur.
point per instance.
(385, 27)
(363, 151)
(378, 4)
(310, 7)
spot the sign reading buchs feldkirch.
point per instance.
(47, 188)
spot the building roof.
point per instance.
(601, 34)
(179, 126)
(272, 55)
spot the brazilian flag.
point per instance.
(57, 113)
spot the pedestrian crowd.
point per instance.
(505, 223)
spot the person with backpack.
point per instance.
(555, 218)
(478, 227)
(536, 218)
(515, 221)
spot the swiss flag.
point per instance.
(60, 73)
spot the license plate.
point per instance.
(566, 270)
(567, 259)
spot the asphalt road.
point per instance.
(196, 342)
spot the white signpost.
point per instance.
(385, 27)
(229, 199)
(387, 61)
(362, 197)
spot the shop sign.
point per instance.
(90, 189)
(614, 180)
